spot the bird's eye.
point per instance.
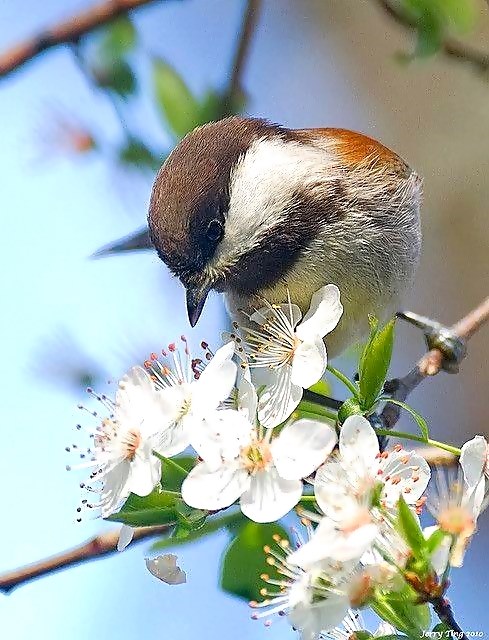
(215, 231)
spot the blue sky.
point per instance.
(55, 212)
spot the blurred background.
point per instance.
(84, 128)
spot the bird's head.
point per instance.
(220, 215)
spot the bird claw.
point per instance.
(451, 346)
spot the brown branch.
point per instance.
(102, 545)
(250, 21)
(432, 362)
(450, 47)
(66, 32)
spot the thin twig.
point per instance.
(431, 363)
(450, 47)
(248, 28)
(444, 611)
(66, 32)
(102, 545)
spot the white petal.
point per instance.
(301, 447)
(205, 488)
(309, 362)
(145, 471)
(125, 536)
(269, 496)
(247, 396)
(358, 441)
(135, 388)
(216, 381)
(165, 568)
(221, 437)
(291, 311)
(323, 315)
(329, 542)
(174, 438)
(473, 459)
(278, 401)
(334, 489)
(114, 491)
(405, 473)
(322, 616)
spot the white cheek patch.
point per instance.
(261, 187)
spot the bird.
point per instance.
(263, 213)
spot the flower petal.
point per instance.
(279, 399)
(145, 471)
(473, 459)
(215, 382)
(314, 619)
(358, 441)
(301, 447)
(221, 436)
(334, 489)
(269, 496)
(329, 542)
(404, 473)
(126, 535)
(324, 313)
(165, 568)
(309, 362)
(205, 488)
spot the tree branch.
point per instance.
(450, 47)
(98, 547)
(66, 32)
(250, 21)
(432, 362)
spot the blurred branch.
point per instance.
(433, 362)
(102, 545)
(67, 32)
(250, 21)
(450, 47)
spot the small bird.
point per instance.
(261, 212)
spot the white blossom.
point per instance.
(264, 472)
(290, 354)
(456, 501)
(190, 392)
(355, 490)
(121, 455)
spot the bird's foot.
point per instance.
(440, 338)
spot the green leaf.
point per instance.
(375, 362)
(116, 76)
(174, 471)
(137, 154)
(410, 530)
(420, 421)
(323, 388)
(179, 108)
(400, 608)
(119, 38)
(435, 540)
(244, 560)
(159, 507)
(229, 521)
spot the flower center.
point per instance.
(131, 443)
(456, 521)
(256, 456)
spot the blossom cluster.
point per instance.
(239, 410)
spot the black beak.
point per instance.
(196, 298)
